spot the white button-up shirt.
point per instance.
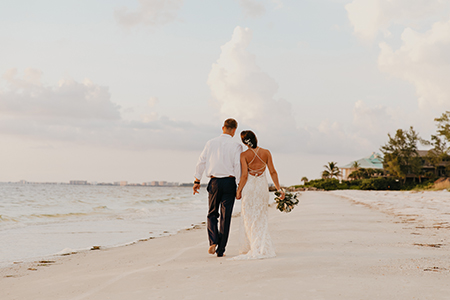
(220, 158)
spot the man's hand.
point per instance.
(196, 187)
(238, 195)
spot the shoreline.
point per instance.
(31, 262)
(42, 222)
(331, 248)
(20, 268)
(16, 267)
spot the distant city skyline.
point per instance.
(114, 183)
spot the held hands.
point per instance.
(238, 195)
(196, 187)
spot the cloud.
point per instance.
(83, 113)
(253, 8)
(333, 138)
(243, 91)
(371, 124)
(424, 60)
(152, 101)
(149, 12)
(370, 17)
(28, 97)
(366, 131)
(370, 118)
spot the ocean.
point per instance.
(42, 220)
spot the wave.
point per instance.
(59, 215)
(56, 217)
(152, 201)
(4, 218)
(102, 207)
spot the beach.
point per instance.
(329, 247)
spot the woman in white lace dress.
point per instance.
(255, 241)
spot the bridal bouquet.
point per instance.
(288, 203)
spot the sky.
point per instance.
(113, 90)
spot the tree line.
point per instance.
(401, 161)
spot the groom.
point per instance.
(221, 160)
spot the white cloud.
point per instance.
(424, 60)
(152, 101)
(370, 17)
(149, 12)
(83, 113)
(364, 133)
(334, 139)
(245, 92)
(70, 99)
(252, 8)
(373, 121)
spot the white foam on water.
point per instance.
(41, 220)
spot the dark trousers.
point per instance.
(222, 193)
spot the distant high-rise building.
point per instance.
(78, 182)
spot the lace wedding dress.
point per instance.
(255, 241)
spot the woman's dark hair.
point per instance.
(249, 138)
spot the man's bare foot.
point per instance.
(212, 249)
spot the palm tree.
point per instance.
(304, 179)
(354, 175)
(355, 165)
(325, 174)
(332, 170)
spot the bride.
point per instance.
(255, 241)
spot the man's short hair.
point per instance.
(230, 124)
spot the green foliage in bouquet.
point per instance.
(288, 203)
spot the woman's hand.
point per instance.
(283, 194)
(238, 195)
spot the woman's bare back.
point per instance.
(257, 160)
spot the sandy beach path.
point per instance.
(328, 248)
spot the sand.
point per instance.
(328, 248)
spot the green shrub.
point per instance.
(327, 184)
(376, 184)
(380, 183)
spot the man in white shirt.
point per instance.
(221, 160)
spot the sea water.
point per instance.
(41, 220)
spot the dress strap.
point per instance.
(257, 156)
(254, 157)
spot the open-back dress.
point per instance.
(255, 241)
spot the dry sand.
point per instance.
(328, 248)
